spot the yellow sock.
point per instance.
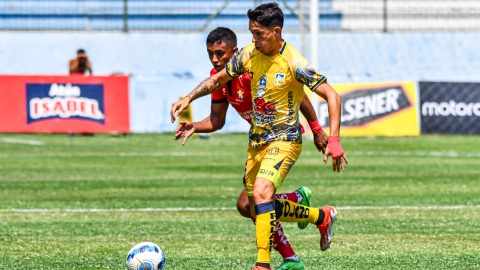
(265, 229)
(294, 212)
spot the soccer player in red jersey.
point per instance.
(221, 45)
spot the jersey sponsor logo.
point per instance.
(247, 115)
(262, 82)
(263, 107)
(280, 79)
(264, 119)
(50, 101)
(364, 106)
(273, 151)
(240, 94)
(266, 172)
(291, 111)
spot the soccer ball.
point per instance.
(146, 256)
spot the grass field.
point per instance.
(56, 174)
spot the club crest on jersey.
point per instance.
(240, 94)
(51, 101)
(280, 79)
(262, 82)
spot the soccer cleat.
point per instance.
(258, 267)
(291, 265)
(306, 194)
(326, 228)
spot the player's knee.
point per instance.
(263, 190)
(261, 195)
(243, 208)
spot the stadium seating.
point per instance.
(142, 15)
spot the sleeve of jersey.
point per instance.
(218, 97)
(305, 73)
(236, 65)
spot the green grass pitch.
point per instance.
(57, 172)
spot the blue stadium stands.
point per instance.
(184, 15)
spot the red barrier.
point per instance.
(61, 104)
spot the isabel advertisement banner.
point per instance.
(64, 104)
(375, 109)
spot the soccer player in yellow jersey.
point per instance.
(278, 73)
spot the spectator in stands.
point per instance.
(81, 64)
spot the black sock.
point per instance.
(266, 265)
(321, 217)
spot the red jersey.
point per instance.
(238, 93)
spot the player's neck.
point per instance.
(277, 48)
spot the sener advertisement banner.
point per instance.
(64, 104)
(450, 108)
(375, 109)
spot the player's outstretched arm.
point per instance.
(208, 86)
(214, 122)
(334, 148)
(320, 138)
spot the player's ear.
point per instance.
(235, 49)
(277, 31)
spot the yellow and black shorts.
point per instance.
(272, 162)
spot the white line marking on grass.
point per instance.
(453, 154)
(201, 209)
(416, 153)
(121, 154)
(175, 209)
(31, 142)
(407, 207)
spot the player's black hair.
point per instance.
(81, 51)
(267, 15)
(222, 34)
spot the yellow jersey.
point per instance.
(277, 91)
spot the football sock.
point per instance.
(293, 197)
(293, 212)
(281, 244)
(293, 258)
(265, 232)
(299, 196)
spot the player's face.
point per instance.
(264, 38)
(219, 54)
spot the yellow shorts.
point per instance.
(271, 162)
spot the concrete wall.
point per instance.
(165, 65)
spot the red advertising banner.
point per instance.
(61, 104)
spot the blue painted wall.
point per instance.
(165, 65)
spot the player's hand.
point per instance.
(178, 107)
(334, 148)
(337, 163)
(186, 130)
(320, 140)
